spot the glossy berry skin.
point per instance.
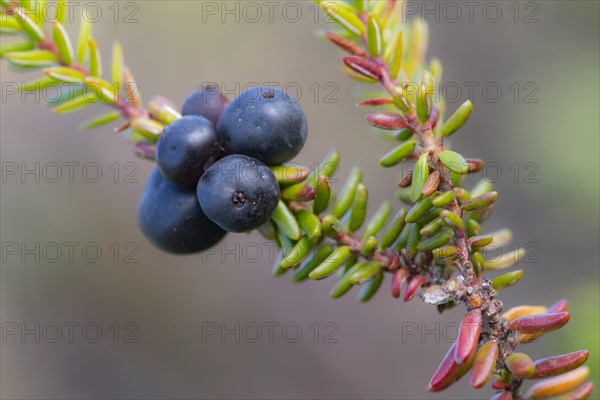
(238, 193)
(171, 218)
(206, 102)
(186, 148)
(264, 123)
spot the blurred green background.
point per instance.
(547, 131)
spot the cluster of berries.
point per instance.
(212, 174)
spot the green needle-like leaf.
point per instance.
(310, 223)
(436, 241)
(102, 89)
(344, 15)
(374, 35)
(323, 197)
(9, 25)
(31, 59)
(298, 253)
(65, 74)
(432, 227)
(346, 196)
(432, 214)
(507, 280)
(61, 11)
(286, 222)
(75, 103)
(414, 238)
(398, 154)
(38, 84)
(63, 43)
(458, 119)
(378, 220)
(316, 257)
(33, 30)
(444, 199)
(95, 61)
(287, 174)
(10, 47)
(359, 208)
(148, 128)
(101, 120)
(365, 273)
(396, 55)
(419, 209)
(285, 246)
(343, 285)
(420, 175)
(424, 99)
(506, 260)
(331, 263)
(117, 64)
(393, 229)
(368, 290)
(454, 162)
(85, 30)
(402, 240)
(482, 201)
(327, 167)
(451, 219)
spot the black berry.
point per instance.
(186, 148)
(206, 102)
(264, 123)
(238, 193)
(171, 218)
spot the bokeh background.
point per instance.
(169, 302)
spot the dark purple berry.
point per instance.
(171, 218)
(186, 148)
(206, 102)
(264, 123)
(238, 193)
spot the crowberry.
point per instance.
(238, 193)
(264, 123)
(206, 102)
(186, 148)
(172, 219)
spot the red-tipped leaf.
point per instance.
(363, 66)
(375, 102)
(411, 289)
(346, 45)
(540, 323)
(559, 384)
(556, 365)
(468, 336)
(397, 281)
(447, 373)
(387, 120)
(485, 362)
